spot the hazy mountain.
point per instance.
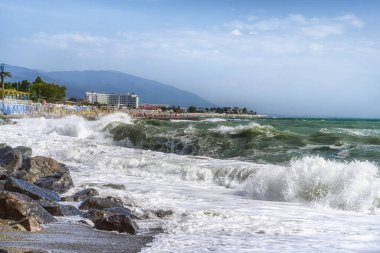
(78, 82)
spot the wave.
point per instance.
(214, 120)
(79, 127)
(353, 132)
(339, 185)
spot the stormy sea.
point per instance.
(234, 184)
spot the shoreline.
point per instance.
(35, 216)
(76, 238)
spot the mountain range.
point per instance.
(78, 82)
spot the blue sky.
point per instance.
(294, 57)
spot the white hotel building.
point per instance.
(112, 99)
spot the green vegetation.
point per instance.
(48, 91)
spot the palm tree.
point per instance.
(3, 74)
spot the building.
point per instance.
(112, 99)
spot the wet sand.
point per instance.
(67, 237)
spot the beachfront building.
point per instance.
(112, 99)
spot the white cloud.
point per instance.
(320, 31)
(316, 27)
(236, 32)
(68, 40)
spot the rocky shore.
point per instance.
(34, 217)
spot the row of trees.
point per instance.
(40, 90)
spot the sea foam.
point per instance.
(339, 185)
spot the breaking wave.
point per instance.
(339, 185)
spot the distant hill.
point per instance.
(78, 82)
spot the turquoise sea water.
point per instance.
(260, 140)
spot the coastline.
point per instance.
(35, 217)
(76, 238)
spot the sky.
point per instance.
(293, 57)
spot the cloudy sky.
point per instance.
(293, 57)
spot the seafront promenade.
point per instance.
(19, 109)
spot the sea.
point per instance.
(234, 184)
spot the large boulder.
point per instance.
(38, 167)
(10, 160)
(94, 214)
(17, 206)
(101, 203)
(119, 223)
(58, 182)
(57, 209)
(33, 191)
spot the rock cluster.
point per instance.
(30, 189)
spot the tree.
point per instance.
(48, 91)
(3, 74)
(192, 109)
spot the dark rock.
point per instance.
(58, 182)
(33, 191)
(16, 206)
(100, 203)
(84, 194)
(26, 152)
(122, 210)
(30, 224)
(163, 213)
(95, 215)
(2, 183)
(3, 251)
(115, 186)
(119, 223)
(39, 166)
(10, 160)
(4, 176)
(57, 209)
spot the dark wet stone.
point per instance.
(95, 215)
(33, 191)
(84, 194)
(58, 182)
(100, 203)
(163, 213)
(57, 209)
(119, 223)
(2, 183)
(16, 206)
(122, 210)
(10, 160)
(38, 167)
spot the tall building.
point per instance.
(112, 99)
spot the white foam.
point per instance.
(353, 132)
(214, 120)
(340, 185)
(238, 129)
